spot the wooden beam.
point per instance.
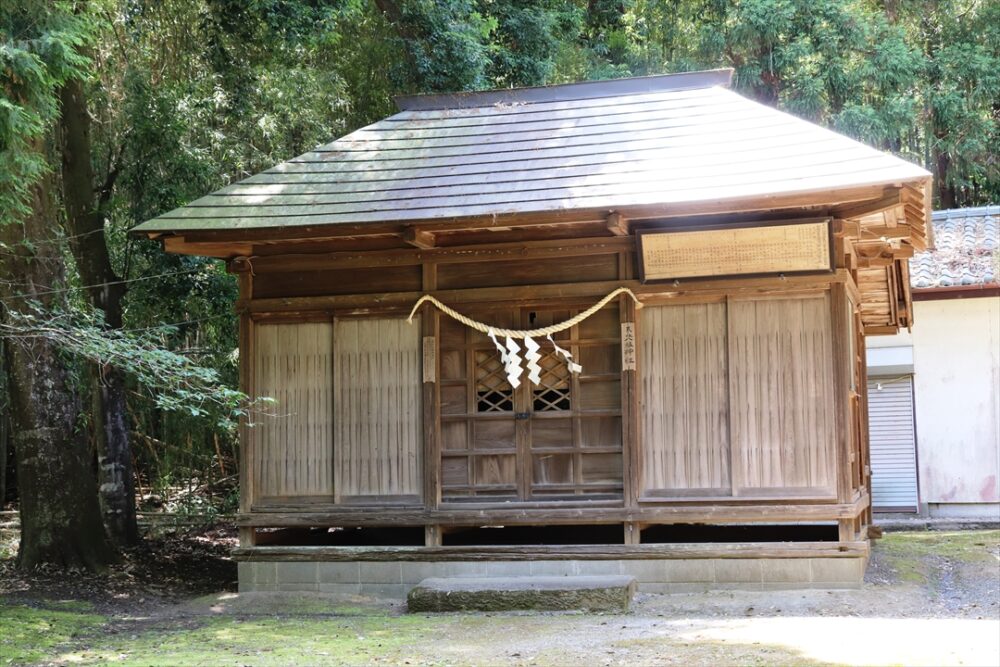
(617, 224)
(179, 246)
(843, 227)
(886, 232)
(419, 238)
(330, 515)
(903, 250)
(295, 262)
(872, 248)
(890, 199)
(871, 262)
(537, 293)
(881, 330)
(856, 549)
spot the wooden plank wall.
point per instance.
(684, 413)
(783, 426)
(377, 408)
(293, 364)
(703, 431)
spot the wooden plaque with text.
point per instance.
(754, 249)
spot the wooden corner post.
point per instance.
(246, 473)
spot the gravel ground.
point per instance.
(930, 598)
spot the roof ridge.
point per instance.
(566, 92)
(971, 212)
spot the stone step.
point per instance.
(587, 593)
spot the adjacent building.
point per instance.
(934, 392)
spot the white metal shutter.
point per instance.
(893, 444)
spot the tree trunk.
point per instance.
(85, 206)
(946, 193)
(60, 514)
(4, 426)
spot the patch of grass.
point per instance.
(263, 641)
(29, 634)
(283, 604)
(907, 552)
(367, 636)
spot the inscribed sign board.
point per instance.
(795, 247)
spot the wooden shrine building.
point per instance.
(706, 425)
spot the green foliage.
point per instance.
(527, 39)
(915, 77)
(41, 46)
(173, 380)
(445, 41)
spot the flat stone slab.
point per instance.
(586, 593)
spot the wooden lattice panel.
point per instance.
(557, 440)
(493, 391)
(553, 390)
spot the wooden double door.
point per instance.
(558, 440)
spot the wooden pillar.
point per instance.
(431, 399)
(433, 536)
(246, 472)
(631, 456)
(842, 367)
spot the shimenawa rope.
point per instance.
(521, 333)
(510, 354)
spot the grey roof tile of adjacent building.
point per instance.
(607, 145)
(966, 250)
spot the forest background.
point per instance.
(118, 371)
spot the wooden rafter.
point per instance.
(617, 224)
(419, 238)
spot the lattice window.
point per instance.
(493, 392)
(553, 392)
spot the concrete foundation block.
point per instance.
(516, 568)
(689, 571)
(339, 573)
(296, 573)
(598, 568)
(265, 573)
(246, 574)
(786, 570)
(646, 571)
(413, 572)
(550, 568)
(837, 571)
(464, 569)
(381, 573)
(345, 590)
(384, 579)
(738, 571)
